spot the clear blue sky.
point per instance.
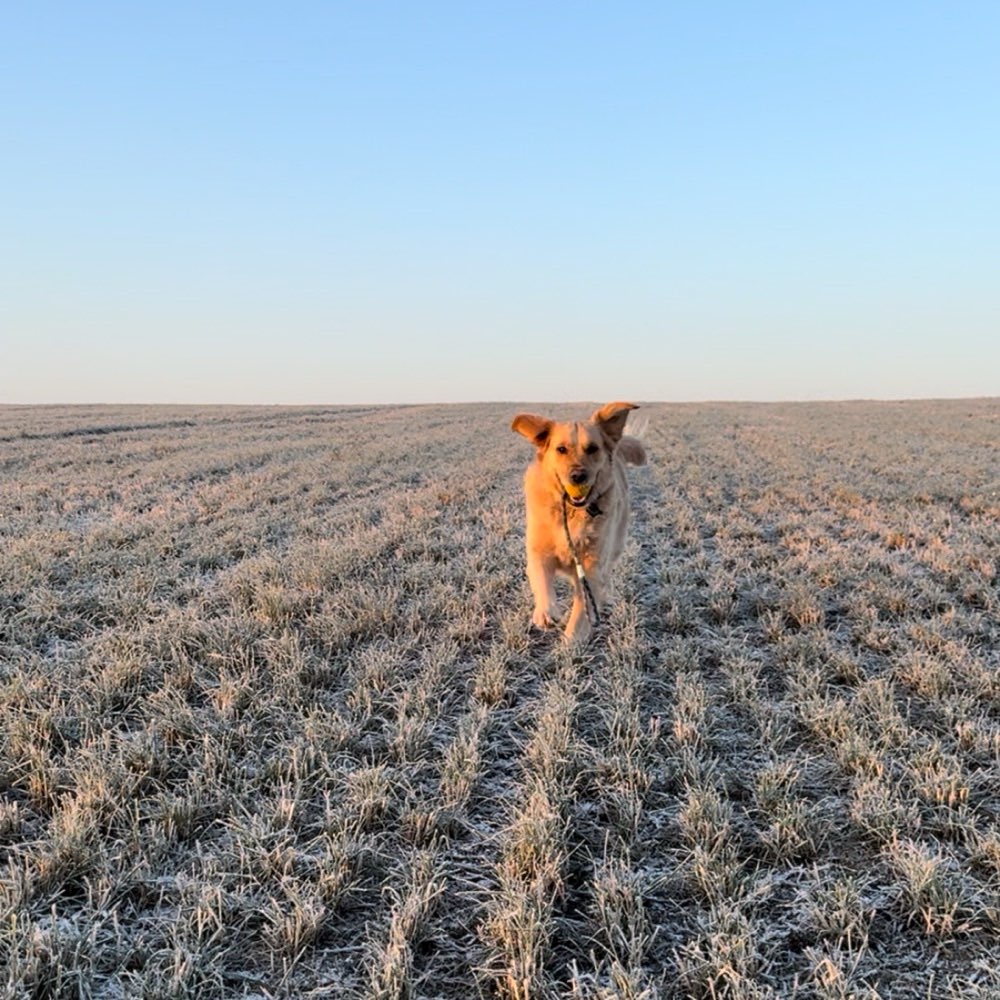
(428, 201)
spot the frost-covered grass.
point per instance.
(271, 722)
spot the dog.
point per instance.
(577, 511)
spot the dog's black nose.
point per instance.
(578, 476)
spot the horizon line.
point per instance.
(707, 401)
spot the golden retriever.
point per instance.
(576, 499)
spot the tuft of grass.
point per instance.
(690, 710)
(930, 887)
(722, 959)
(412, 906)
(623, 929)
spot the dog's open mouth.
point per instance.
(577, 494)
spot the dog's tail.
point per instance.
(632, 450)
(631, 447)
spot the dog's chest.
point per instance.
(585, 530)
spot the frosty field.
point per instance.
(271, 722)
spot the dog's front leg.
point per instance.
(587, 609)
(578, 627)
(541, 578)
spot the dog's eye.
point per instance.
(562, 449)
(591, 449)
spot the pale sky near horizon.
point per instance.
(418, 202)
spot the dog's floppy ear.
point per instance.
(533, 427)
(611, 419)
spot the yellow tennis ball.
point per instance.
(577, 492)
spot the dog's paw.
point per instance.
(585, 637)
(578, 638)
(542, 620)
(536, 634)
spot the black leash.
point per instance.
(592, 611)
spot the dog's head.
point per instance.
(576, 453)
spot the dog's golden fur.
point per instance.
(580, 468)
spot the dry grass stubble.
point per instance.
(272, 723)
